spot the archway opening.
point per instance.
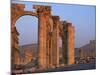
(27, 27)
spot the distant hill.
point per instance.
(30, 47)
(87, 50)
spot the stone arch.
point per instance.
(23, 59)
(17, 10)
(15, 40)
(26, 13)
(28, 28)
(17, 17)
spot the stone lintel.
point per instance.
(18, 6)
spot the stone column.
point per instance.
(55, 43)
(42, 12)
(64, 46)
(49, 39)
(70, 43)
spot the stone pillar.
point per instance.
(70, 43)
(48, 53)
(49, 30)
(55, 42)
(64, 46)
(43, 12)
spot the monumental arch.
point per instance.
(50, 28)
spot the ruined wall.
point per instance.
(15, 47)
(17, 10)
(28, 57)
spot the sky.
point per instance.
(83, 18)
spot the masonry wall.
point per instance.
(15, 47)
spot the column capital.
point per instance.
(42, 9)
(56, 17)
